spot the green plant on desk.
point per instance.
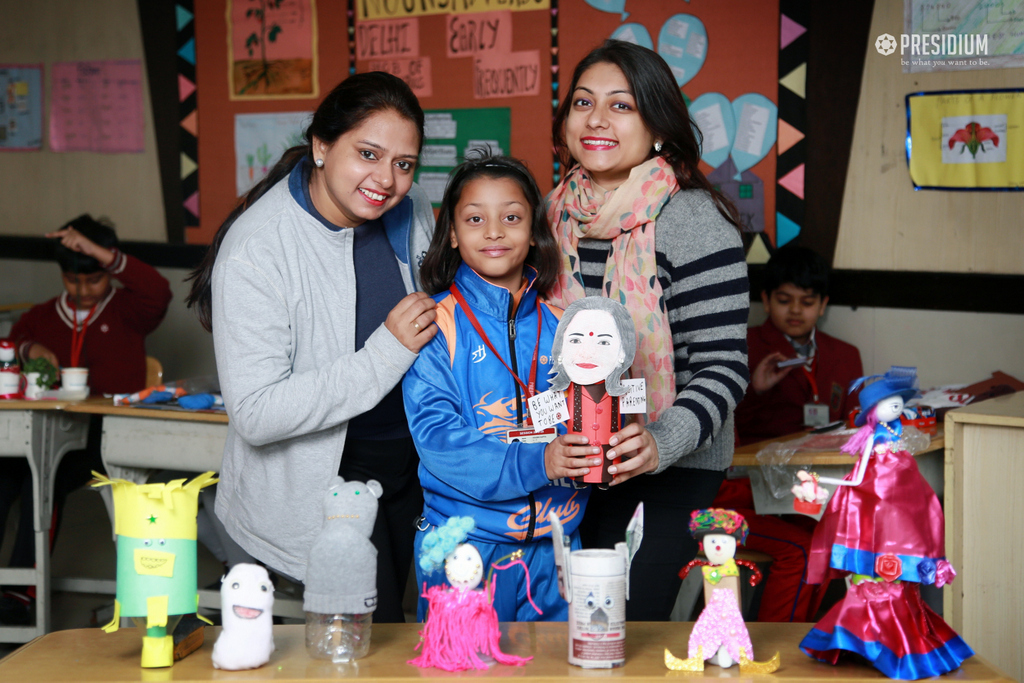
(47, 373)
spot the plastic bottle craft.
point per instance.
(720, 635)
(595, 583)
(156, 559)
(885, 529)
(594, 347)
(246, 638)
(461, 631)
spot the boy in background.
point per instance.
(783, 401)
(112, 324)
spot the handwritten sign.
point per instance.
(391, 9)
(415, 72)
(395, 39)
(506, 75)
(548, 408)
(97, 107)
(470, 34)
(634, 400)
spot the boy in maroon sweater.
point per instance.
(115, 323)
(782, 401)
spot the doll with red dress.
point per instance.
(884, 529)
(594, 347)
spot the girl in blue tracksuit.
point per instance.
(491, 257)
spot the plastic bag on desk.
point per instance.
(915, 440)
(774, 458)
(161, 393)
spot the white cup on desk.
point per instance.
(74, 379)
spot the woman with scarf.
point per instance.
(639, 223)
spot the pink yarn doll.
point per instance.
(461, 631)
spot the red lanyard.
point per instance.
(78, 337)
(810, 377)
(530, 388)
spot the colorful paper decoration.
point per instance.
(792, 126)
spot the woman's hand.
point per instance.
(39, 351)
(566, 457)
(633, 437)
(767, 374)
(412, 321)
(76, 241)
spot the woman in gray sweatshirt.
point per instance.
(638, 222)
(310, 291)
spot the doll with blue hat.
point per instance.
(884, 529)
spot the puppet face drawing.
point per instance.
(246, 593)
(592, 347)
(600, 607)
(464, 568)
(719, 548)
(889, 408)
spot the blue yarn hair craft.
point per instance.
(442, 541)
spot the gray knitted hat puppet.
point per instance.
(341, 574)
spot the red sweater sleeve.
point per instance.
(147, 293)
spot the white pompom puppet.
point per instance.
(247, 601)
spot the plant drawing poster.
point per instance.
(272, 49)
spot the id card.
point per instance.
(529, 435)
(815, 415)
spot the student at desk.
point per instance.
(109, 325)
(782, 401)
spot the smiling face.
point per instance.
(85, 290)
(604, 131)
(719, 548)
(889, 409)
(591, 347)
(492, 230)
(464, 568)
(367, 171)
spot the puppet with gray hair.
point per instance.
(594, 347)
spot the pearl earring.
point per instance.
(319, 163)
(657, 146)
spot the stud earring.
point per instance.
(319, 163)
(657, 146)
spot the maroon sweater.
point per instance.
(114, 349)
(780, 410)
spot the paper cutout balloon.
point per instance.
(634, 33)
(756, 130)
(612, 6)
(712, 116)
(683, 44)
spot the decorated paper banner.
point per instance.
(966, 139)
(272, 51)
(415, 72)
(21, 122)
(469, 34)
(395, 39)
(713, 116)
(391, 9)
(97, 107)
(756, 128)
(261, 139)
(508, 75)
(683, 44)
(634, 33)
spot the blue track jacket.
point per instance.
(461, 401)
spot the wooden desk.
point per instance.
(41, 432)
(746, 456)
(91, 655)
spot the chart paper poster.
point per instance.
(272, 49)
(392, 9)
(506, 75)
(966, 139)
(394, 39)
(21, 107)
(469, 34)
(261, 139)
(97, 107)
(415, 72)
(450, 135)
(980, 34)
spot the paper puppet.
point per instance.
(461, 631)
(341, 573)
(720, 635)
(595, 583)
(884, 529)
(594, 346)
(246, 607)
(156, 558)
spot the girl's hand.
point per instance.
(569, 456)
(39, 351)
(412, 321)
(76, 241)
(766, 375)
(633, 437)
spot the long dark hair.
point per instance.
(437, 273)
(346, 107)
(660, 105)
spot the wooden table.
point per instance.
(746, 456)
(91, 655)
